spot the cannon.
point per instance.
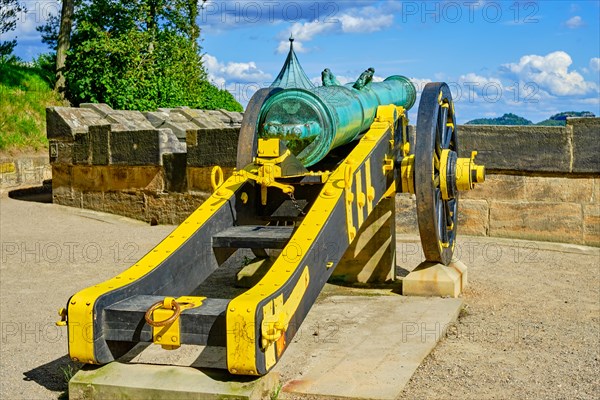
(313, 163)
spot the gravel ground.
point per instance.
(530, 327)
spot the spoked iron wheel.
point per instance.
(436, 152)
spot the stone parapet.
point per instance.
(548, 208)
(543, 183)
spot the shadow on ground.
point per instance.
(54, 375)
(40, 194)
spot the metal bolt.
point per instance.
(173, 338)
(158, 338)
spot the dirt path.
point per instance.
(530, 328)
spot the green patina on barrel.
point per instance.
(314, 121)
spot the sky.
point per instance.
(531, 58)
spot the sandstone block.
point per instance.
(554, 222)
(179, 115)
(172, 208)
(473, 217)
(93, 201)
(102, 109)
(523, 148)
(99, 136)
(213, 147)
(128, 204)
(180, 128)
(234, 117)
(139, 147)
(554, 189)
(82, 153)
(65, 122)
(112, 178)
(60, 151)
(591, 224)
(66, 196)
(156, 118)
(498, 187)
(406, 214)
(586, 144)
(61, 175)
(169, 143)
(133, 120)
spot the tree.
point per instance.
(137, 54)
(63, 43)
(9, 11)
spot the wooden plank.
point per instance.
(254, 237)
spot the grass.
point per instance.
(25, 92)
(275, 394)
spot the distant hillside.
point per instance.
(24, 95)
(506, 119)
(559, 119)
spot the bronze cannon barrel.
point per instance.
(314, 121)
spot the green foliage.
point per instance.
(552, 122)
(506, 119)
(559, 119)
(24, 95)
(138, 55)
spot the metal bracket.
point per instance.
(169, 336)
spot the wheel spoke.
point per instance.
(448, 137)
(441, 216)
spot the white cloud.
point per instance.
(595, 64)
(234, 71)
(359, 24)
(354, 20)
(420, 83)
(241, 79)
(551, 73)
(574, 22)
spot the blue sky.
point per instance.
(532, 58)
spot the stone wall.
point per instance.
(23, 171)
(543, 183)
(137, 164)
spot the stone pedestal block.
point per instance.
(433, 279)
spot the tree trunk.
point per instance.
(64, 41)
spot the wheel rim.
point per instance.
(436, 148)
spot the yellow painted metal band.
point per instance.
(443, 173)
(81, 306)
(241, 312)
